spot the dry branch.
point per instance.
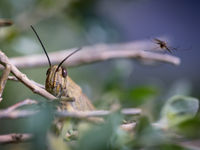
(12, 112)
(96, 113)
(96, 53)
(3, 79)
(23, 78)
(18, 137)
(128, 126)
(5, 22)
(14, 138)
(66, 114)
(13, 78)
(21, 103)
(16, 114)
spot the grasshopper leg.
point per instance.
(67, 99)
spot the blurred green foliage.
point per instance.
(178, 109)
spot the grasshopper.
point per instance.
(63, 87)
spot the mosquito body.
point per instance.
(163, 45)
(63, 87)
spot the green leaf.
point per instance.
(138, 95)
(166, 146)
(146, 135)
(178, 109)
(105, 136)
(190, 128)
(144, 92)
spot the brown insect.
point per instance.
(163, 45)
(63, 87)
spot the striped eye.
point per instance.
(64, 72)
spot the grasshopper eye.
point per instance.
(48, 71)
(64, 72)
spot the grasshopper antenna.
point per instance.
(42, 45)
(67, 58)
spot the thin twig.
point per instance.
(128, 126)
(16, 114)
(13, 78)
(96, 53)
(96, 113)
(14, 138)
(23, 78)
(5, 22)
(66, 114)
(18, 137)
(3, 79)
(21, 103)
(13, 113)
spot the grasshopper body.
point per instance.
(62, 86)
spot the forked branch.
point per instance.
(23, 78)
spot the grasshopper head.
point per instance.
(56, 80)
(56, 75)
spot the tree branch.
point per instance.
(129, 126)
(99, 52)
(14, 138)
(21, 103)
(13, 78)
(23, 78)
(13, 113)
(5, 22)
(3, 79)
(96, 113)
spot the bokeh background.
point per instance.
(66, 24)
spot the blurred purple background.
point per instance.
(178, 20)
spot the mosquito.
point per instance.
(164, 45)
